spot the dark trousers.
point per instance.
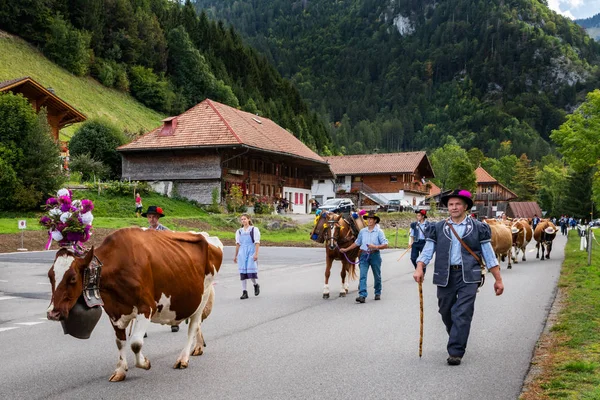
(456, 304)
(416, 249)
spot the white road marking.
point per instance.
(2, 280)
(8, 329)
(7, 297)
(43, 283)
(28, 323)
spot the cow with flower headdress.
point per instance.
(137, 276)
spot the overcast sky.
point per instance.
(575, 9)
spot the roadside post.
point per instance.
(22, 227)
(396, 240)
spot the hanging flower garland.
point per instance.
(69, 222)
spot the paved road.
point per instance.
(288, 343)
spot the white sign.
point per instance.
(22, 224)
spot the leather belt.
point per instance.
(456, 266)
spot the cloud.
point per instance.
(575, 8)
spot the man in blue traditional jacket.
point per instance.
(458, 271)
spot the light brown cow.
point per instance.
(501, 240)
(148, 276)
(522, 233)
(544, 234)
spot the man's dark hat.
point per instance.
(372, 214)
(153, 210)
(422, 212)
(462, 194)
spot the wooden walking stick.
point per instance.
(421, 330)
(403, 254)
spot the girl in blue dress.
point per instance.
(247, 242)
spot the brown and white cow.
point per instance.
(522, 233)
(544, 234)
(147, 276)
(501, 240)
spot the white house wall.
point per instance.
(322, 190)
(298, 199)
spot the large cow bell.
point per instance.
(82, 320)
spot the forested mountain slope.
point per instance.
(165, 55)
(405, 74)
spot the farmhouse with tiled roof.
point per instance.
(216, 146)
(374, 179)
(60, 113)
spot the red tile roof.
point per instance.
(386, 163)
(483, 176)
(212, 124)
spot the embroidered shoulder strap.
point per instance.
(466, 247)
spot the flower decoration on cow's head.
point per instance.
(362, 212)
(69, 222)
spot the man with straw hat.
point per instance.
(371, 240)
(461, 243)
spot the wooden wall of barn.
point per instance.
(169, 166)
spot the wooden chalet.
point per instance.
(374, 179)
(60, 113)
(491, 196)
(213, 146)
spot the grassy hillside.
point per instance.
(18, 59)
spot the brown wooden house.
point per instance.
(490, 195)
(60, 113)
(216, 146)
(378, 178)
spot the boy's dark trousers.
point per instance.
(417, 248)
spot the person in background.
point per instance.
(247, 243)
(138, 205)
(458, 268)
(535, 221)
(418, 230)
(153, 214)
(370, 240)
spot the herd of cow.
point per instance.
(509, 238)
(166, 277)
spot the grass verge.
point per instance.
(570, 364)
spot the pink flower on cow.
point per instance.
(86, 206)
(65, 203)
